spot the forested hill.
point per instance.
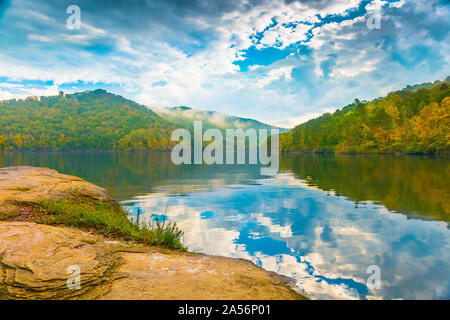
(185, 116)
(413, 120)
(81, 121)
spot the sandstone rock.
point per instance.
(34, 262)
(22, 185)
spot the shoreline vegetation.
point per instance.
(294, 152)
(415, 120)
(70, 151)
(110, 220)
(104, 218)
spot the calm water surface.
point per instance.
(322, 220)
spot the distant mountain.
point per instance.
(413, 120)
(86, 120)
(426, 85)
(185, 116)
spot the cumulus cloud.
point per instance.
(271, 60)
(283, 73)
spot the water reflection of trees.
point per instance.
(408, 184)
(127, 174)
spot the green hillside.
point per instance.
(99, 120)
(413, 120)
(81, 121)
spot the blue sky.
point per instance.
(280, 62)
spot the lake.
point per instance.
(323, 220)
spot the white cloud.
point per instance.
(38, 37)
(294, 121)
(282, 37)
(283, 73)
(6, 95)
(24, 92)
(350, 69)
(136, 62)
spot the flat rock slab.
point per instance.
(35, 262)
(24, 185)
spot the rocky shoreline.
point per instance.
(37, 260)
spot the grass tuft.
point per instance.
(110, 220)
(23, 189)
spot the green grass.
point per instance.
(110, 220)
(23, 189)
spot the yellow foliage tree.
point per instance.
(3, 142)
(432, 125)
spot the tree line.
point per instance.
(89, 120)
(413, 120)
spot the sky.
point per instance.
(280, 62)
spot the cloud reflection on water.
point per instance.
(324, 242)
